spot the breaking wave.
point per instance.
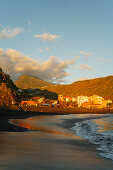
(98, 131)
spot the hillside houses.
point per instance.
(29, 103)
(66, 98)
(81, 99)
(94, 101)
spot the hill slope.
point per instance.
(29, 82)
(99, 86)
(8, 90)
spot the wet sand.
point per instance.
(48, 144)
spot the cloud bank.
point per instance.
(15, 63)
(9, 33)
(84, 78)
(104, 60)
(85, 67)
(47, 37)
(43, 50)
(87, 54)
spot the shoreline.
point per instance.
(15, 112)
(62, 110)
(51, 110)
(61, 150)
(73, 139)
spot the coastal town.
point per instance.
(10, 94)
(91, 102)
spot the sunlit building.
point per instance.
(97, 99)
(40, 100)
(73, 99)
(28, 103)
(81, 99)
(67, 98)
(94, 102)
(60, 97)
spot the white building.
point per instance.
(82, 99)
(67, 98)
(73, 99)
(97, 99)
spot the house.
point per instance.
(88, 105)
(41, 100)
(97, 99)
(96, 102)
(106, 103)
(81, 99)
(67, 98)
(92, 105)
(60, 97)
(54, 102)
(28, 103)
(73, 99)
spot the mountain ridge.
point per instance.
(30, 82)
(102, 86)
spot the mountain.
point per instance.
(8, 90)
(29, 82)
(99, 86)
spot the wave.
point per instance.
(98, 131)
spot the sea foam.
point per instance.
(98, 131)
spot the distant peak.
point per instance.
(30, 82)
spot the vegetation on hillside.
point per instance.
(29, 82)
(9, 92)
(99, 86)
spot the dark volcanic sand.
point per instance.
(52, 146)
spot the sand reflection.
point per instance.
(47, 124)
(54, 147)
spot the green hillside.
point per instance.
(29, 82)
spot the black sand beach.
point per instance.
(49, 143)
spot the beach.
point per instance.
(47, 142)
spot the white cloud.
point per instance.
(48, 49)
(41, 50)
(85, 67)
(107, 61)
(86, 53)
(104, 60)
(77, 58)
(99, 58)
(47, 37)
(15, 63)
(83, 78)
(7, 32)
(44, 50)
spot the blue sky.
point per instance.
(58, 41)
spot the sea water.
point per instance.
(98, 131)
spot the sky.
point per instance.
(60, 41)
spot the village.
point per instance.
(91, 102)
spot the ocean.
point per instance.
(98, 131)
